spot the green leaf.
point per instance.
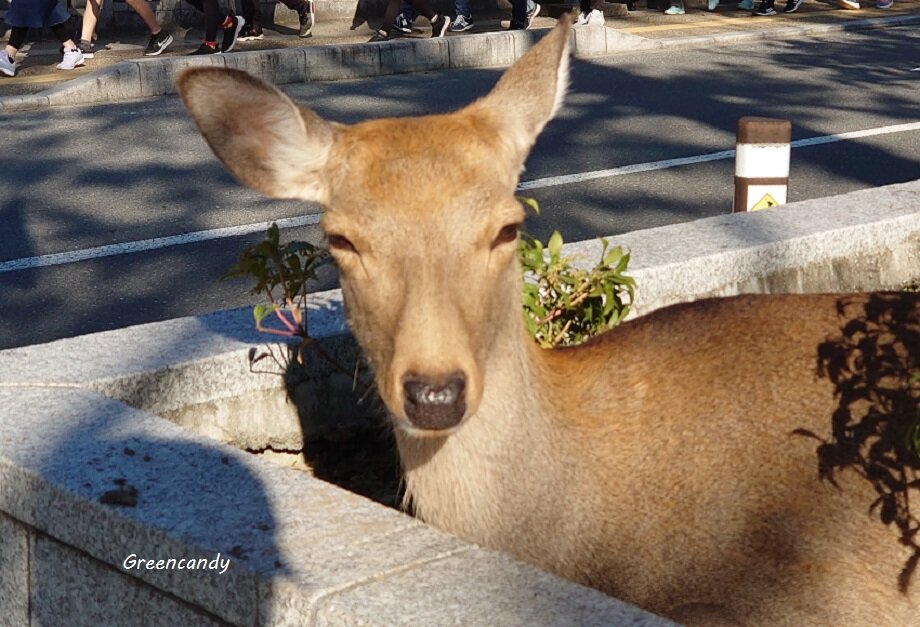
(613, 256)
(555, 244)
(260, 312)
(530, 203)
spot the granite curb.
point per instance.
(144, 78)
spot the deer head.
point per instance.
(429, 273)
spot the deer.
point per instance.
(662, 462)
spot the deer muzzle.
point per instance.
(434, 404)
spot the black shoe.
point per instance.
(516, 25)
(206, 49)
(231, 33)
(765, 8)
(791, 6)
(402, 24)
(87, 48)
(157, 44)
(533, 15)
(439, 26)
(379, 35)
(251, 33)
(306, 19)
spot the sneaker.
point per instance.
(581, 20)
(746, 5)
(231, 32)
(379, 35)
(72, 58)
(712, 5)
(7, 65)
(595, 18)
(792, 6)
(515, 25)
(675, 9)
(461, 23)
(850, 5)
(884, 4)
(532, 15)
(204, 48)
(250, 33)
(439, 26)
(765, 8)
(157, 44)
(87, 48)
(403, 24)
(306, 19)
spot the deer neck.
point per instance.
(510, 436)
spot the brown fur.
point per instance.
(657, 462)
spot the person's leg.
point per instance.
(146, 13)
(306, 10)
(533, 10)
(252, 14)
(90, 19)
(439, 23)
(388, 16)
(72, 55)
(518, 15)
(159, 38)
(295, 5)
(8, 58)
(212, 20)
(464, 20)
(404, 18)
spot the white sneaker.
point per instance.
(595, 18)
(7, 65)
(72, 59)
(581, 20)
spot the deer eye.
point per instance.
(508, 233)
(340, 243)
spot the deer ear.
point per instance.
(528, 95)
(266, 141)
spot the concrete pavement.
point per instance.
(337, 51)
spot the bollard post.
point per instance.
(761, 163)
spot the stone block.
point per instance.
(285, 65)
(158, 75)
(416, 55)
(590, 41)
(14, 573)
(618, 41)
(284, 601)
(481, 50)
(8, 104)
(477, 587)
(110, 84)
(69, 588)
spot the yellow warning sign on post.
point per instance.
(765, 203)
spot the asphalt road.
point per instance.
(74, 180)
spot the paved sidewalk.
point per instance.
(642, 28)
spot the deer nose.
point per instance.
(437, 404)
